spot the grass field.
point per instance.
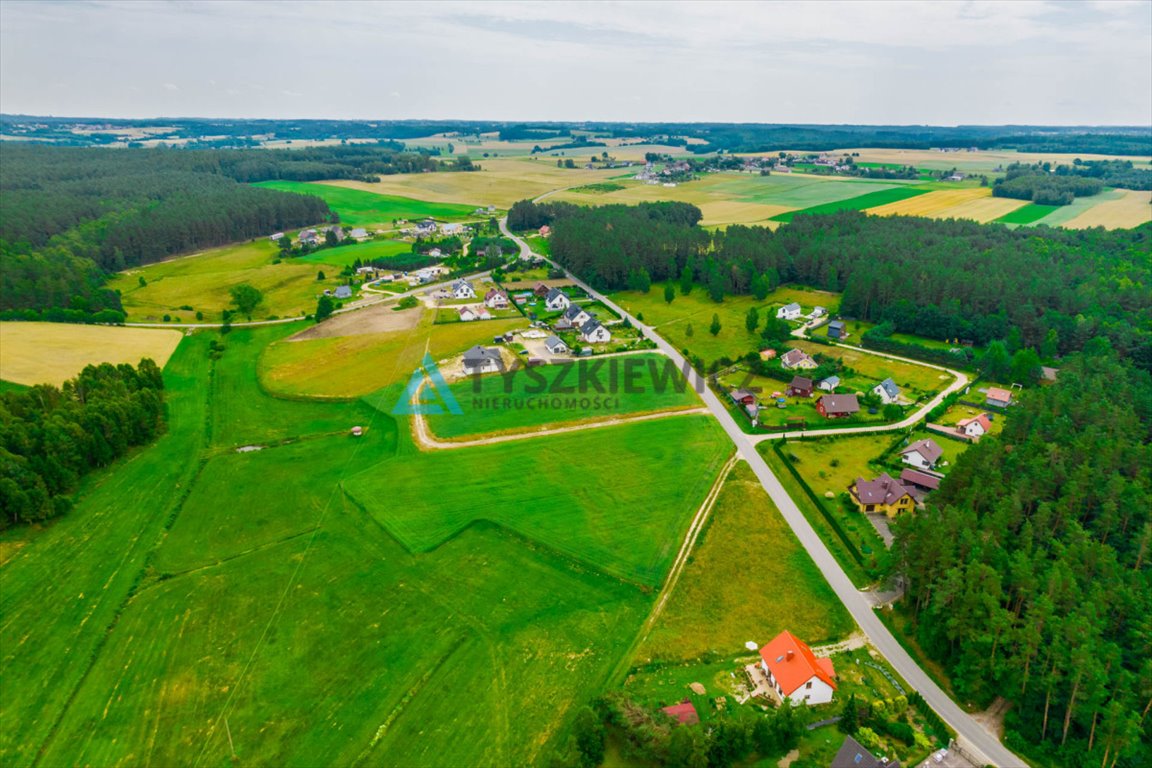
(982, 161)
(578, 493)
(353, 366)
(358, 208)
(1130, 209)
(974, 203)
(906, 375)
(52, 353)
(860, 203)
(565, 393)
(834, 463)
(748, 579)
(1029, 213)
(346, 255)
(1062, 214)
(202, 281)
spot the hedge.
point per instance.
(852, 550)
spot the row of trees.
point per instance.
(947, 280)
(51, 437)
(1030, 575)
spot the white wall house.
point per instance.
(887, 391)
(788, 312)
(482, 360)
(795, 673)
(922, 454)
(594, 333)
(577, 315)
(557, 300)
(462, 289)
(976, 427)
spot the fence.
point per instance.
(848, 543)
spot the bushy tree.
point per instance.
(669, 292)
(752, 320)
(325, 306)
(246, 297)
(714, 329)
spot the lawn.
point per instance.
(52, 353)
(907, 375)
(580, 494)
(358, 208)
(202, 281)
(869, 200)
(834, 463)
(730, 591)
(346, 255)
(957, 412)
(585, 390)
(1027, 214)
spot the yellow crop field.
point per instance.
(982, 161)
(1129, 210)
(52, 353)
(974, 203)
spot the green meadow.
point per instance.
(1028, 214)
(858, 203)
(358, 208)
(346, 255)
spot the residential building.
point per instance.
(556, 345)
(684, 713)
(795, 673)
(467, 314)
(915, 480)
(276, 237)
(922, 454)
(818, 312)
(853, 755)
(829, 384)
(482, 360)
(541, 290)
(838, 406)
(595, 333)
(742, 396)
(496, 299)
(557, 299)
(576, 315)
(797, 359)
(887, 391)
(801, 386)
(545, 231)
(343, 292)
(881, 495)
(462, 289)
(998, 398)
(788, 312)
(358, 233)
(975, 427)
(308, 237)
(836, 329)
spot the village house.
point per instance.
(343, 292)
(853, 755)
(576, 315)
(556, 345)
(556, 300)
(829, 384)
(818, 312)
(276, 237)
(358, 234)
(838, 406)
(468, 314)
(683, 713)
(496, 299)
(887, 391)
(788, 312)
(742, 396)
(801, 386)
(482, 360)
(975, 427)
(595, 333)
(450, 229)
(308, 237)
(426, 227)
(541, 290)
(836, 329)
(998, 398)
(797, 359)
(918, 483)
(795, 673)
(545, 231)
(922, 454)
(881, 495)
(462, 289)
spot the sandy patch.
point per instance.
(376, 319)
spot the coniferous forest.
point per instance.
(51, 437)
(941, 279)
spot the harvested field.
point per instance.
(378, 319)
(974, 203)
(1130, 209)
(52, 353)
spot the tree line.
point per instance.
(51, 437)
(947, 280)
(1029, 574)
(1040, 185)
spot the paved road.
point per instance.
(968, 729)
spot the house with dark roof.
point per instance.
(887, 391)
(343, 292)
(881, 495)
(788, 312)
(922, 454)
(801, 386)
(595, 333)
(742, 396)
(556, 345)
(795, 673)
(541, 290)
(557, 299)
(853, 755)
(576, 315)
(838, 406)
(915, 480)
(462, 289)
(482, 360)
(836, 329)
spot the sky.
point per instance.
(1038, 62)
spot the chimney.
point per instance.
(790, 655)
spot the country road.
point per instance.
(973, 735)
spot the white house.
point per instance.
(797, 359)
(922, 454)
(496, 299)
(358, 234)
(556, 345)
(462, 289)
(482, 360)
(557, 300)
(788, 312)
(976, 427)
(795, 673)
(887, 391)
(829, 384)
(818, 312)
(576, 315)
(594, 333)
(468, 314)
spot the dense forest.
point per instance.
(1030, 574)
(51, 437)
(69, 215)
(1054, 289)
(1039, 185)
(1114, 173)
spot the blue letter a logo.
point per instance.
(415, 397)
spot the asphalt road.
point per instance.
(972, 733)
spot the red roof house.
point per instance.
(795, 672)
(683, 712)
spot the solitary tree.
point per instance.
(686, 280)
(324, 308)
(688, 330)
(246, 297)
(669, 292)
(752, 320)
(715, 327)
(321, 276)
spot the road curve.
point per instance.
(973, 734)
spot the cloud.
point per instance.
(171, 87)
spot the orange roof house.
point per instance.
(796, 673)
